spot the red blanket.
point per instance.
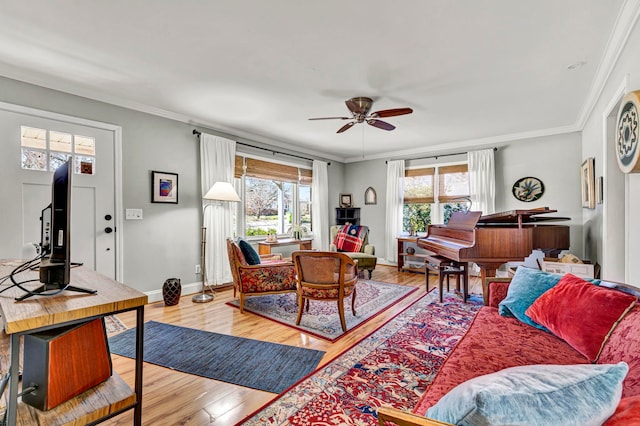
(350, 238)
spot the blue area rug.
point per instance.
(266, 366)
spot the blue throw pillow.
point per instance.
(526, 286)
(541, 395)
(250, 255)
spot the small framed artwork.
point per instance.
(345, 200)
(587, 182)
(599, 190)
(164, 187)
(370, 196)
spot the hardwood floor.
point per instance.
(174, 398)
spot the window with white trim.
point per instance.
(432, 193)
(46, 150)
(276, 198)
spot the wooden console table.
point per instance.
(39, 313)
(264, 247)
(402, 254)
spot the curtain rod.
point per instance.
(197, 133)
(441, 155)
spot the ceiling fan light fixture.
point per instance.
(360, 107)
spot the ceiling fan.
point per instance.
(360, 107)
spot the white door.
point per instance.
(26, 192)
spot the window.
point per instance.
(431, 194)
(276, 197)
(46, 150)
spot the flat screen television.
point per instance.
(55, 265)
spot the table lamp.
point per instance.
(220, 191)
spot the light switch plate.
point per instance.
(133, 214)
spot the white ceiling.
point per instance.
(475, 72)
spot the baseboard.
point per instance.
(187, 289)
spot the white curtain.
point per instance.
(482, 181)
(395, 198)
(320, 205)
(217, 161)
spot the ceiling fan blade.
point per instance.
(359, 105)
(380, 124)
(331, 118)
(346, 127)
(391, 112)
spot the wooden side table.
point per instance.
(41, 313)
(264, 247)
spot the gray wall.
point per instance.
(553, 159)
(166, 243)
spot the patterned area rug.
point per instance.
(322, 320)
(113, 325)
(392, 367)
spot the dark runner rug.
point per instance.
(392, 366)
(266, 366)
(322, 320)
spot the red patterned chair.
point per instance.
(272, 275)
(327, 276)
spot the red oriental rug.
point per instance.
(391, 367)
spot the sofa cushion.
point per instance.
(492, 343)
(526, 286)
(627, 413)
(536, 395)
(250, 254)
(582, 314)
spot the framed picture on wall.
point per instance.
(587, 181)
(164, 187)
(345, 200)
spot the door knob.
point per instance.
(107, 217)
(108, 230)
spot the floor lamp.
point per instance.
(220, 191)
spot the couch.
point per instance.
(268, 273)
(495, 342)
(365, 255)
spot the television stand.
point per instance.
(47, 287)
(54, 276)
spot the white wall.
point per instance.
(625, 195)
(166, 243)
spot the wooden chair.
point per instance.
(271, 276)
(326, 276)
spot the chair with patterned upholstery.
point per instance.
(271, 275)
(326, 276)
(353, 240)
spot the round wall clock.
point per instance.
(528, 189)
(627, 150)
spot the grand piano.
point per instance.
(491, 240)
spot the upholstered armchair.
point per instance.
(325, 276)
(269, 276)
(365, 254)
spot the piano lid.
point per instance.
(520, 216)
(464, 220)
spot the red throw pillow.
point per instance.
(627, 413)
(581, 313)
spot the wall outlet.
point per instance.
(198, 269)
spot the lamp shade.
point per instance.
(222, 191)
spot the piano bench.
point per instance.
(444, 268)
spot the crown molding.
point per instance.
(625, 23)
